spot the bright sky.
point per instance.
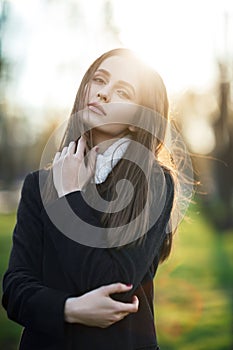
(52, 44)
(180, 38)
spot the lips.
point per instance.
(96, 108)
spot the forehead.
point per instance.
(121, 68)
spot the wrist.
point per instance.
(72, 310)
(69, 310)
(64, 193)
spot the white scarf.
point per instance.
(106, 161)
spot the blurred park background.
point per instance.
(46, 46)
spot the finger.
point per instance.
(128, 307)
(71, 147)
(120, 315)
(135, 302)
(80, 148)
(64, 151)
(116, 288)
(92, 156)
(57, 156)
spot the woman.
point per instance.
(92, 228)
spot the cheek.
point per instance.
(122, 111)
(92, 92)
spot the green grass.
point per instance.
(193, 299)
(193, 289)
(10, 331)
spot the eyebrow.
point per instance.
(121, 82)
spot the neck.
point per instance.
(104, 141)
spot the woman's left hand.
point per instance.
(69, 170)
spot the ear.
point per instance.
(132, 128)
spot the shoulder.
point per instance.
(35, 178)
(162, 188)
(33, 184)
(162, 172)
(170, 180)
(170, 187)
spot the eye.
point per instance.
(123, 94)
(98, 80)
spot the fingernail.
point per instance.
(129, 285)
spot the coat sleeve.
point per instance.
(25, 298)
(128, 264)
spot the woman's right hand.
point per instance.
(69, 170)
(97, 308)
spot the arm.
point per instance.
(98, 309)
(27, 301)
(128, 264)
(32, 304)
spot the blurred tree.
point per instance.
(5, 156)
(223, 171)
(207, 122)
(13, 129)
(20, 143)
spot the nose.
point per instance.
(103, 96)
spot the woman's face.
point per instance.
(113, 98)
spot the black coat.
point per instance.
(46, 267)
